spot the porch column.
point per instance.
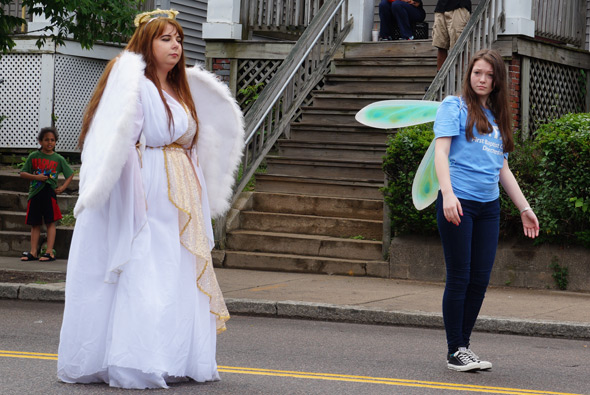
(519, 18)
(362, 11)
(223, 20)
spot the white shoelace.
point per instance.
(473, 355)
(466, 356)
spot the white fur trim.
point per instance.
(221, 136)
(106, 146)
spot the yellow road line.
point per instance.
(27, 356)
(387, 381)
(27, 353)
(333, 377)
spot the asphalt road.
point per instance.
(280, 356)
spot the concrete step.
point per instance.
(332, 150)
(332, 117)
(388, 49)
(304, 264)
(318, 187)
(385, 62)
(325, 168)
(309, 245)
(318, 205)
(345, 134)
(329, 117)
(387, 68)
(13, 221)
(11, 181)
(311, 225)
(356, 101)
(14, 243)
(17, 201)
(339, 83)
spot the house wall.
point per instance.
(45, 87)
(52, 85)
(193, 13)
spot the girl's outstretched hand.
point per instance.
(530, 224)
(452, 209)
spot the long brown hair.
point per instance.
(141, 43)
(497, 100)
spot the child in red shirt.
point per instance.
(42, 167)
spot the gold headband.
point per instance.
(155, 14)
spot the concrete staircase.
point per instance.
(318, 207)
(15, 235)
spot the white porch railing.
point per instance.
(285, 16)
(270, 115)
(561, 20)
(480, 32)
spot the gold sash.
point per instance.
(184, 192)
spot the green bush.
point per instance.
(552, 169)
(563, 181)
(404, 153)
(524, 163)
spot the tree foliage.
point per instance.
(86, 21)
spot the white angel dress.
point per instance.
(143, 307)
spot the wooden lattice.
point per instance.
(252, 72)
(555, 90)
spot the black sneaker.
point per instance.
(483, 365)
(462, 361)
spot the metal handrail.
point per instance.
(480, 32)
(280, 100)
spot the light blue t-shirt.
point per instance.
(474, 165)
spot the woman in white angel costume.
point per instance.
(161, 145)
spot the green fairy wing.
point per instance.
(393, 114)
(425, 186)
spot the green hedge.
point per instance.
(563, 179)
(404, 153)
(552, 169)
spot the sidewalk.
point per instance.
(362, 300)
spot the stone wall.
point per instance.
(517, 264)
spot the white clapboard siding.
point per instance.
(193, 13)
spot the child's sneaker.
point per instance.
(483, 365)
(462, 361)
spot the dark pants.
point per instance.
(469, 250)
(43, 207)
(402, 13)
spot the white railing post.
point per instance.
(362, 13)
(223, 20)
(519, 18)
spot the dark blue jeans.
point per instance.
(469, 250)
(401, 13)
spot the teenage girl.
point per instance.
(473, 137)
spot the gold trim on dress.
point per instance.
(184, 192)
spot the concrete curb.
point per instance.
(54, 292)
(330, 312)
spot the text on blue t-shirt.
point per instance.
(474, 165)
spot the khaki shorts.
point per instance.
(448, 26)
